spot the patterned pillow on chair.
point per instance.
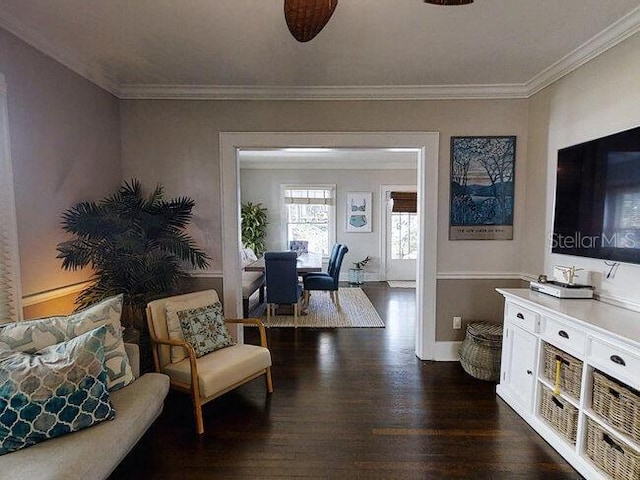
(57, 390)
(204, 329)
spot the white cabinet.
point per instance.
(519, 361)
(585, 337)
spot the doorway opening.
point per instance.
(425, 144)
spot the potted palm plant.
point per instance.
(136, 245)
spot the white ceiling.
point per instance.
(369, 48)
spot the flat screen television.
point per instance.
(597, 207)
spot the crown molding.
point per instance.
(603, 41)
(345, 92)
(66, 57)
(611, 36)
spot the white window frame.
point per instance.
(10, 293)
(284, 217)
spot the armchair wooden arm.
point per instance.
(252, 321)
(195, 385)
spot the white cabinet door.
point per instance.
(519, 372)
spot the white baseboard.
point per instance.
(446, 351)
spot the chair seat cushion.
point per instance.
(319, 282)
(223, 368)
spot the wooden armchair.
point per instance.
(215, 373)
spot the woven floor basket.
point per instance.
(560, 414)
(617, 403)
(570, 370)
(614, 457)
(481, 350)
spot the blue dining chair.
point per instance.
(282, 282)
(327, 281)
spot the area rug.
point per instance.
(399, 284)
(356, 311)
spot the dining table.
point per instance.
(306, 263)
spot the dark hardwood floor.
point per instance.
(349, 404)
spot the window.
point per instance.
(404, 226)
(9, 266)
(309, 214)
(404, 236)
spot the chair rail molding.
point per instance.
(473, 275)
(53, 294)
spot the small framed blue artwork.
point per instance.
(482, 188)
(358, 212)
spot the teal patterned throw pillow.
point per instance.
(32, 335)
(204, 329)
(57, 390)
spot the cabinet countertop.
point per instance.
(621, 323)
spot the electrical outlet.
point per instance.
(457, 323)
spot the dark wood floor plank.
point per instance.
(349, 404)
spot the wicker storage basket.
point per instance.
(614, 457)
(481, 350)
(570, 370)
(617, 403)
(560, 414)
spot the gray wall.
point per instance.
(600, 98)
(176, 142)
(474, 300)
(65, 145)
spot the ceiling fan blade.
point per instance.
(305, 18)
(449, 2)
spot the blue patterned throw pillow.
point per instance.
(204, 329)
(33, 335)
(57, 390)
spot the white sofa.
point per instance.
(93, 453)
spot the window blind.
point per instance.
(404, 202)
(10, 298)
(319, 196)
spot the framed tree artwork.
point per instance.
(358, 212)
(482, 188)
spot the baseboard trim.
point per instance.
(446, 351)
(53, 294)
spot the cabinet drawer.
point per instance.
(523, 317)
(616, 361)
(563, 335)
